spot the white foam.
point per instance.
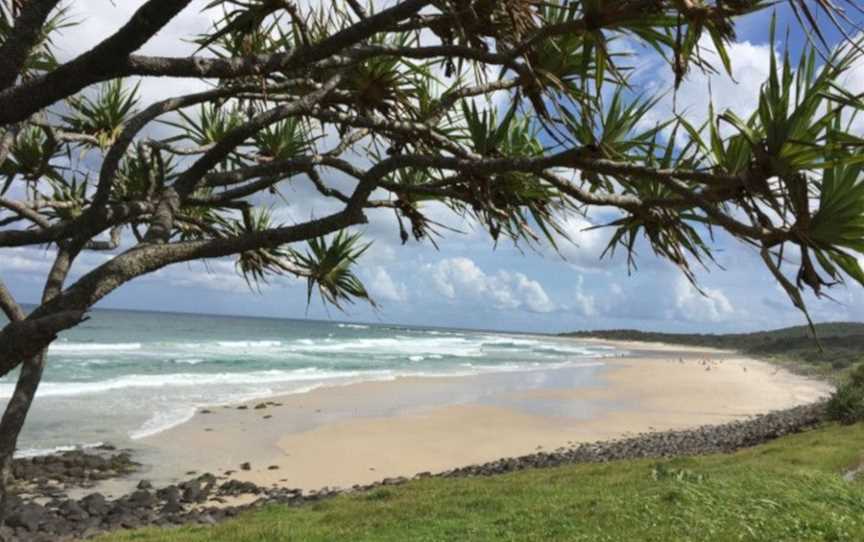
(36, 452)
(178, 415)
(164, 420)
(353, 326)
(190, 361)
(405, 346)
(248, 344)
(195, 380)
(86, 348)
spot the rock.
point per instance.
(205, 411)
(168, 493)
(245, 466)
(142, 498)
(144, 484)
(191, 491)
(95, 504)
(242, 407)
(236, 487)
(28, 516)
(171, 507)
(73, 511)
(260, 406)
(273, 467)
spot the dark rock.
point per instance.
(142, 498)
(95, 504)
(73, 511)
(168, 493)
(144, 484)
(27, 516)
(246, 466)
(191, 491)
(173, 506)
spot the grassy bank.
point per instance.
(794, 347)
(789, 489)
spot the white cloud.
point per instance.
(382, 286)
(750, 67)
(692, 306)
(460, 278)
(585, 245)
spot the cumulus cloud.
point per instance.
(382, 287)
(460, 278)
(693, 306)
(750, 66)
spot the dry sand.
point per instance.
(361, 433)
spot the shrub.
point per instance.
(847, 403)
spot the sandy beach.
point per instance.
(359, 433)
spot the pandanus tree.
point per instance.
(513, 113)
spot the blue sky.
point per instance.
(468, 283)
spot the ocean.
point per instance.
(125, 375)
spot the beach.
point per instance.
(342, 435)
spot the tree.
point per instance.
(391, 96)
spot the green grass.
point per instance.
(790, 489)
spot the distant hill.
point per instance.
(842, 342)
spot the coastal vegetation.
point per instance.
(834, 351)
(790, 489)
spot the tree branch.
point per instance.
(110, 59)
(22, 38)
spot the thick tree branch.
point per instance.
(8, 305)
(24, 339)
(23, 37)
(110, 59)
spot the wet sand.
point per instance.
(360, 433)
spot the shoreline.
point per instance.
(358, 433)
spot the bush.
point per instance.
(847, 403)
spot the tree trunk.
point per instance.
(13, 421)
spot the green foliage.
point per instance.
(210, 124)
(71, 197)
(142, 173)
(41, 57)
(104, 115)
(31, 157)
(283, 140)
(842, 345)
(327, 266)
(255, 265)
(386, 84)
(847, 402)
(790, 489)
(508, 203)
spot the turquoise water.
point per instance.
(126, 375)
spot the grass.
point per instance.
(789, 489)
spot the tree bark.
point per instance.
(13, 421)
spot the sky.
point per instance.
(468, 281)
